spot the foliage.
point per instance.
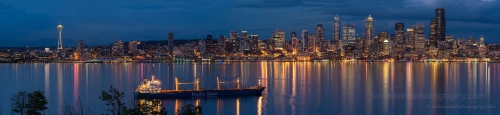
(114, 99)
(29, 103)
(146, 107)
(190, 109)
(78, 109)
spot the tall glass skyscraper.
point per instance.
(336, 29)
(320, 32)
(348, 33)
(369, 32)
(438, 27)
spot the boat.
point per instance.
(152, 89)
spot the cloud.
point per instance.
(97, 21)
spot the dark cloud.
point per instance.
(102, 22)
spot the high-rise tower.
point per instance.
(348, 33)
(59, 43)
(369, 32)
(320, 32)
(320, 36)
(305, 37)
(438, 27)
(400, 40)
(171, 42)
(336, 29)
(441, 24)
(294, 39)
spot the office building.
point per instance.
(336, 29)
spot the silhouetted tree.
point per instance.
(147, 107)
(29, 103)
(114, 99)
(79, 109)
(190, 109)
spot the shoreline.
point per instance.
(222, 61)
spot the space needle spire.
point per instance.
(59, 44)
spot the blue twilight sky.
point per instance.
(33, 22)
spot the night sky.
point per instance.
(97, 22)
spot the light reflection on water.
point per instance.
(291, 87)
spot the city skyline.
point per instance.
(462, 20)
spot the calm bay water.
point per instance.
(291, 87)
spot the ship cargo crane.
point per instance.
(223, 82)
(196, 84)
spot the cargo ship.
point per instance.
(152, 89)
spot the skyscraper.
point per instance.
(79, 49)
(410, 39)
(59, 43)
(254, 43)
(336, 29)
(294, 40)
(233, 39)
(419, 46)
(279, 39)
(441, 24)
(438, 27)
(211, 44)
(399, 40)
(311, 42)
(243, 41)
(132, 47)
(171, 42)
(305, 40)
(369, 29)
(80, 46)
(348, 33)
(320, 32)
(221, 43)
(400, 31)
(382, 36)
(244, 34)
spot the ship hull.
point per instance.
(203, 93)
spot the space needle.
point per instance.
(59, 45)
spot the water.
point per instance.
(292, 88)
